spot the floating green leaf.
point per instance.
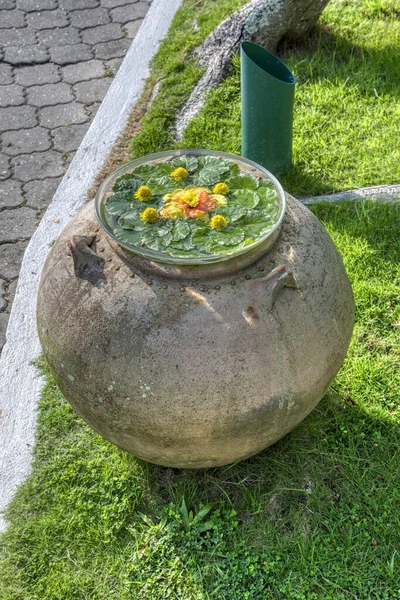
(146, 171)
(216, 248)
(161, 184)
(181, 230)
(243, 181)
(267, 196)
(151, 239)
(130, 220)
(199, 234)
(251, 210)
(180, 253)
(233, 214)
(119, 203)
(208, 177)
(126, 182)
(246, 198)
(257, 229)
(128, 236)
(190, 163)
(212, 162)
(227, 238)
(211, 170)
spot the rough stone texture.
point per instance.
(124, 14)
(113, 64)
(65, 114)
(90, 17)
(18, 117)
(25, 55)
(64, 55)
(59, 37)
(50, 89)
(132, 28)
(17, 37)
(16, 225)
(39, 194)
(7, 4)
(78, 4)
(11, 95)
(10, 258)
(37, 165)
(102, 33)
(67, 139)
(3, 301)
(36, 5)
(6, 75)
(113, 49)
(47, 19)
(27, 141)
(92, 109)
(12, 286)
(267, 364)
(4, 316)
(11, 18)
(93, 69)
(50, 94)
(37, 75)
(114, 3)
(4, 167)
(91, 91)
(10, 195)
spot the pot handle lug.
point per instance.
(276, 279)
(87, 264)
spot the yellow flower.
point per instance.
(193, 202)
(220, 188)
(150, 215)
(218, 222)
(190, 197)
(180, 174)
(143, 194)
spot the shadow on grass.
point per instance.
(297, 178)
(324, 459)
(331, 56)
(372, 223)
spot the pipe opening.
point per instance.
(268, 62)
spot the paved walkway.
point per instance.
(57, 61)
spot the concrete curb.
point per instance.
(384, 193)
(20, 385)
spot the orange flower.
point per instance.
(193, 202)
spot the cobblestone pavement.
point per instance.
(57, 61)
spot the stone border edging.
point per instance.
(384, 193)
(20, 384)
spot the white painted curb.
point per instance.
(384, 193)
(20, 385)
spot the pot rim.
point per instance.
(260, 246)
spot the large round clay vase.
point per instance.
(202, 366)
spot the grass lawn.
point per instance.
(316, 516)
(347, 108)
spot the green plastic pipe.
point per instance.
(267, 91)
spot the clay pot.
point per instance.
(194, 369)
